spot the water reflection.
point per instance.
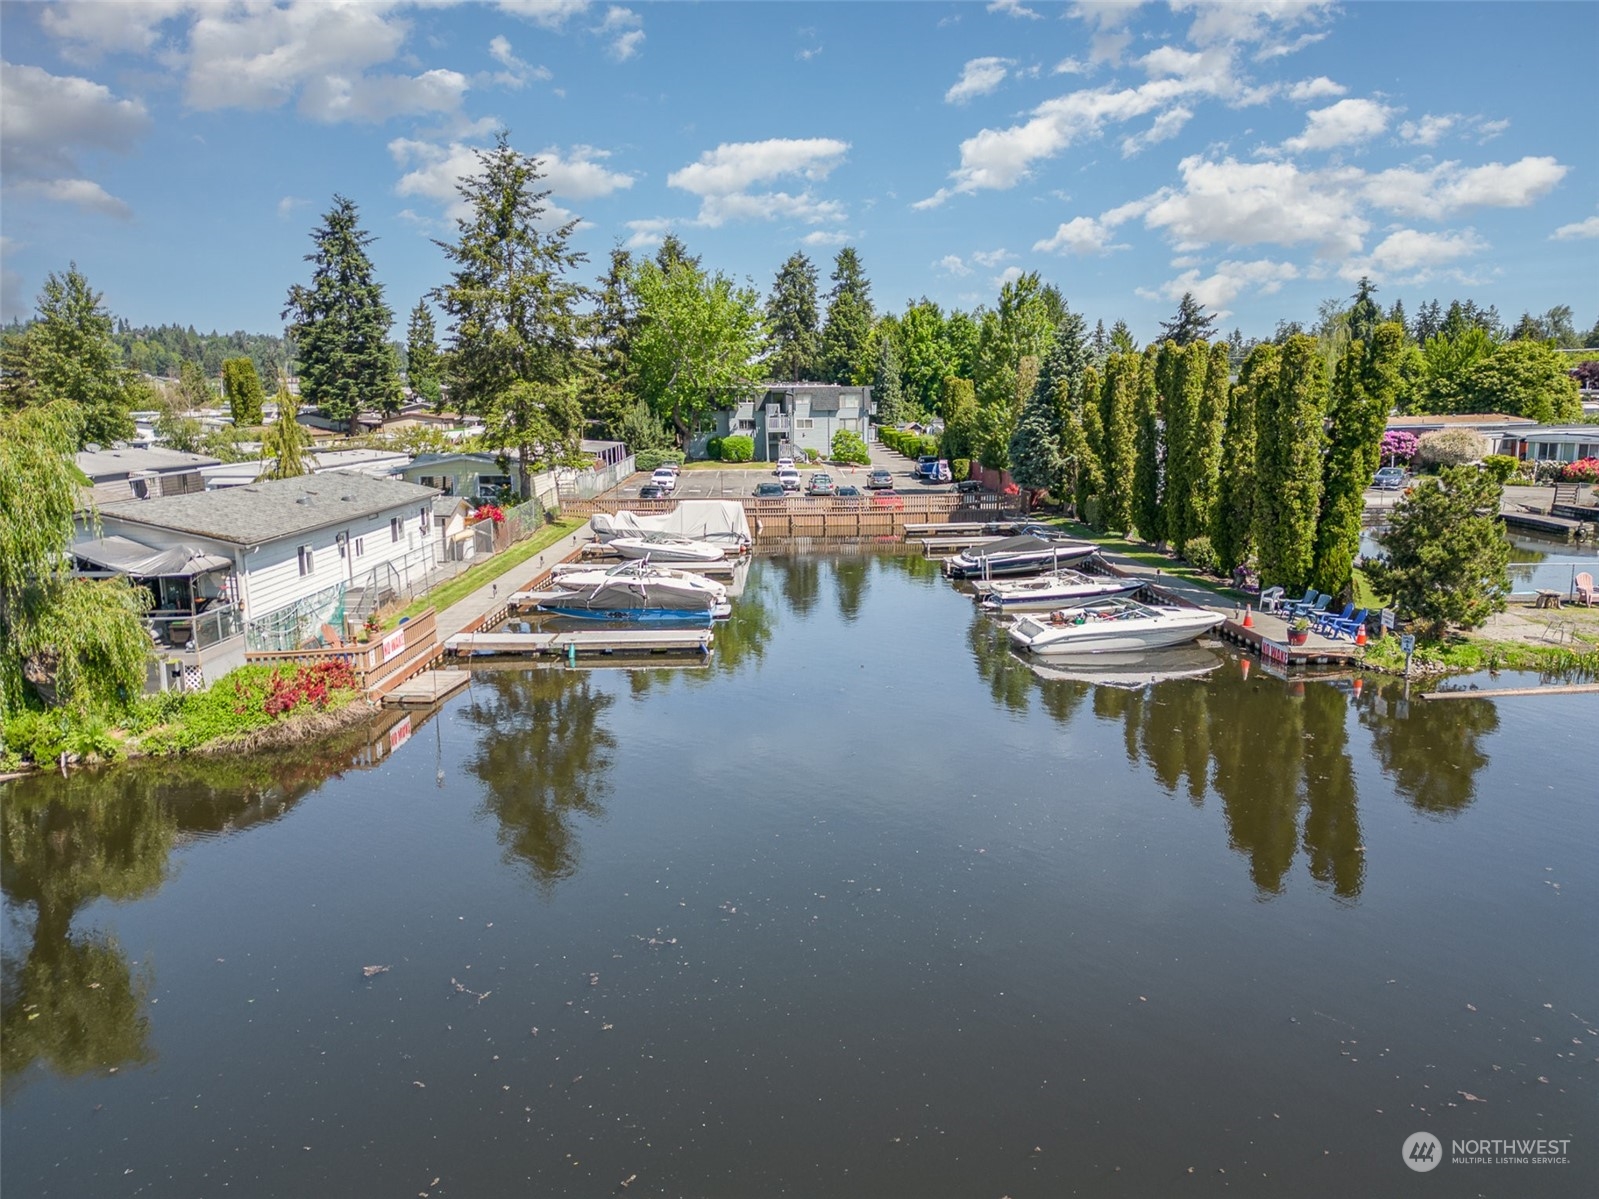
(72, 1001)
(544, 756)
(850, 582)
(1432, 760)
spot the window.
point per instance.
(804, 422)
(396, 528)
(306, 563)
(744, 426)
(360, 546)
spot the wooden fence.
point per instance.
(816, 516)
(379, 665)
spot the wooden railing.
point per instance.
(379, 665)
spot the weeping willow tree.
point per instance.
(283, 446)
(75, 642)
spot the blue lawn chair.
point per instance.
(1298, 607)
(1347, 628)
(1311, 610)
(1323, 622)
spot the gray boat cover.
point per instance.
(706, 520)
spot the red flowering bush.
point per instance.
(309, 686)
(490, 512)
(1583, 470)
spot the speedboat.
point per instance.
(1028, 554)
(1111, 626)
(1048, 592)
(667, 547)
(635, 592)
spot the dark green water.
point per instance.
(863, 908)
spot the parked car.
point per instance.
(853, 494)
(769, 491)
(969, 486)
(790, 479)
(651, 491)
(880, 479)
(1389, 478)
(925, 466)
(664, 478)
(820, 484)
(889, 499)
(782, 465)
(940, 472)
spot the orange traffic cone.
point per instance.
(1243, 665)
(1360, 635)
(1359, 684)
(1249, 621)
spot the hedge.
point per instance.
(735, 447)
(650, 459)
(912, 445)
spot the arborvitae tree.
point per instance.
(241, 386)
(1085, 440)
(887, 392)
(284, 445)
(1180, 376)
(1232, 521)
(1148, 515)
(1191, 323)
(1119, 459)
(1445, 551)
(1204, 446)
(340, 323)
(957, 403)
(614, 392)
(68, 354)
(422, 362)
(513, 309)
(847, 333)
(793, 323)
(1291, 441)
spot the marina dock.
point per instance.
(582, 641)
(597, 553)
(426, 689)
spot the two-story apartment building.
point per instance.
(787, 419)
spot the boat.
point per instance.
(1111, 626)
(1027, 554)
(668, 547)
(635, 592)
(1048, 592)
(1131, 671)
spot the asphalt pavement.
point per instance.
(732, 484)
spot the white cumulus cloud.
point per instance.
(979, 77)
(47, 120)
(1082, 235)
(577, 173)
(1257, 203)
(1428, 130)
(723, 179)
(954, 264)
(1344, 123)
(1577, 229)
(1319, 88)
(1261, 277)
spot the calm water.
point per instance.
(1536, 563)
(863, 908)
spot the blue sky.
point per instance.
(1262, 154)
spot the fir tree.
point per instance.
(614, 392)
(672, 251)
(792, 322)
(241, 387)
(1232, 521)
(887, 392)
(1290, 442)
(340, 323)
(1191, 322)
(422, 363)
(1148, 516)
(847, 334)
(515, 326)
(1364, 316)
(1099, 346)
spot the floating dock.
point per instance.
(939, 546)
(1267, 635)
(598, 552)
(426, 689)
(577, 642)
(1547, 526)
(961, 528)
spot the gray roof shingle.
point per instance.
(263, 512)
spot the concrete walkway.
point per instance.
(491, 596)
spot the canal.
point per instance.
(864, 907)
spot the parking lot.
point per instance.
(731, 484)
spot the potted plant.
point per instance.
(1299, 631)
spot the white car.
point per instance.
(664, 477)
(782, 465)
(790, 479)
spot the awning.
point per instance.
(126, 556)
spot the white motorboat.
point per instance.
(1111, 626)
(1049, 592)
(570, 576)
(668, 547)
(634, 591)
(1027, 554)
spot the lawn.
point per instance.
(468, 581)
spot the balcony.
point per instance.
(779, 424)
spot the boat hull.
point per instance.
(1058, 598)
(977, 565)
(1166, 626)
(676, 616)
(657, 551)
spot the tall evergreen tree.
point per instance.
(1085, 442)
(672, 251)
(1122, 339)
(614, 392)
(193, 392)
(887, 391)
(241, 387)
(1232, 520)
(1204, 448)
(1362, 395)
(1119, 458)
(846, 336)
(422, 363)
(284, 445)
(68, 354)
(793, 324)
(1180, 373)
(1191, 322)
(1099, 346)
(1148, 515)
(1364, 315)
(1290, 441)
(513, 309)
(339, 324)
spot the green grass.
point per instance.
(1147, 555)
(468, 581)
(713, 464)
(1465, 654)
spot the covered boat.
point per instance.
(1111, 626)
(1047, 592)
(720, 522)
(635, 592)
(670, 547)
(1027, 554)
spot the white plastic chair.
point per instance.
(1271, 599)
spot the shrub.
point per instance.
(713, 449)
(1500, 466)
(1397, 444)
(736, 448)
(961, 468)
(849, 447)
(1450, 447)
(1200, 554)
(1583, 470)
(650, 459)
(812, 455)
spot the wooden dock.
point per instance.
(1547, 526)
(426, 689)
(933, 547)
(598, 554)
(1267, 635)
(960, 528)
(582, 641)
